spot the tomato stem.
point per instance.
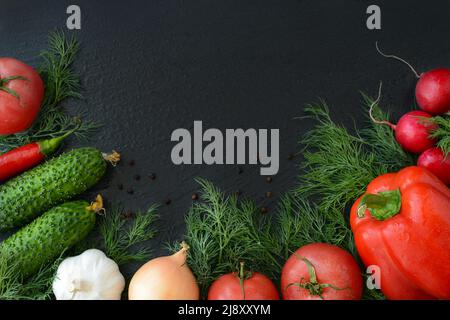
(6, 80)
(313, 286)
(242, 278)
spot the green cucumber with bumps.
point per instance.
(46, 238)
(34, 192)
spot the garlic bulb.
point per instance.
(89, 276)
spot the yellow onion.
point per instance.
(165, 278)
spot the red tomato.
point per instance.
(21, 95)
(256, 286)
(321, 271)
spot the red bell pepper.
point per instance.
(402, 225)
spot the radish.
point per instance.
(432, 89)
(412, 131)
(436, 162)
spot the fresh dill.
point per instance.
(442, 134)
(339, 165)
(223, 231)
(38, 287)
(61, 82)
(301, 222)
(121, 238)
(381, 139)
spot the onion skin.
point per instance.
(165, 278)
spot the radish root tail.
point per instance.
(397, 58)
(374, 103)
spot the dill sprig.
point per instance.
(38, 287)
(61, 82)
(121, 238)
(442, 133)
(301, 222)
(339, 165)
(336, 166)
(381, 140)
(223, 231)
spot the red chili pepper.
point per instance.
(23, 158)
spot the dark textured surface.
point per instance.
(149, 67)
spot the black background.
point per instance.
(150, 67)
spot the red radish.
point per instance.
(412, 131)
(436, 162)
(243, 286)
(432, 89)
(321, 271)
(23, 158)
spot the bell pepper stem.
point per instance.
(382, 205)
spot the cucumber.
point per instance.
(23, 198)
(47, 237)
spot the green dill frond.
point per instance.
(338, 165)
(61, 83)
(300, 222)
(60, 80)
(121, 238)
(9, 281)
(442, 133)
(38, 287)
(223, 231)
(381, 139)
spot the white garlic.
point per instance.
(89, 276)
